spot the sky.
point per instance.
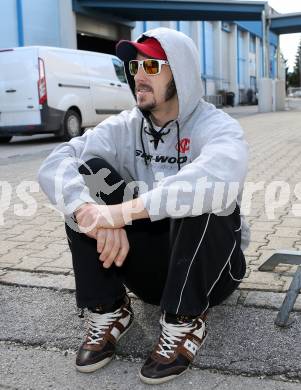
(288, 42)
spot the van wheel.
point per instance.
(71, 125)
(5, 140)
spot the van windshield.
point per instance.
(119, 69)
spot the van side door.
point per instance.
(103, 86)
(67, 82)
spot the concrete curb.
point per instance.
(63, 282)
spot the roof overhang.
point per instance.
(286, 24)
(150, 10)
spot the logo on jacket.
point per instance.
(183, 145)
(161, 158)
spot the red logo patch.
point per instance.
(183, 145)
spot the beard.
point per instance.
(150, 105)
(147, 105)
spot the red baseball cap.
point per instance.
(150, 47)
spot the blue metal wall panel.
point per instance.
(253, 27)
(209, 53)
(256, 29)
(185, 27)
(252, 43)
(204, 57)
(237, 54)
(241, 59)
(272, 61)
(261, 64)
(151, 25)
(138, 30)
(201, 48)
(41, 22)
(8, 24)
(274, 38)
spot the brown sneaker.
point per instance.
(104, 330)
(176, 349)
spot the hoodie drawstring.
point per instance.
(157, 137)
(178, 144)
(142, 143)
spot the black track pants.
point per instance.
(184, 265)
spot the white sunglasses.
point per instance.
(150, 66)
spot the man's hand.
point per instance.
(91, 216)
(113, 246)
(104, 224)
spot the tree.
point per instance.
(294, 77)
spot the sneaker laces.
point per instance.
(171, 335)
(98, 324)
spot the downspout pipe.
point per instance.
(19, 9)
(266, 41)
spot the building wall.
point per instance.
(241, 58)
(233, 86)
(231, 54)
(31, 22)
(41, 22)
(225, 58)
(208, 42)
(52, 23)
(8, 24)
(67, 24)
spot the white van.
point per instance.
(54, 90)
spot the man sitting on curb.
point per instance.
(170, 243)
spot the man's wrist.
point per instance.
(122, 213)
(133, 210)
(79, 208)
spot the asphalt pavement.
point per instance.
(41, 333)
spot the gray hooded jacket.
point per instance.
(197, 165)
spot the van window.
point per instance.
(119, 69)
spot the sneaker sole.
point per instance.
(95, 366)
(158, 381)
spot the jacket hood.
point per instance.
(183, 58)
